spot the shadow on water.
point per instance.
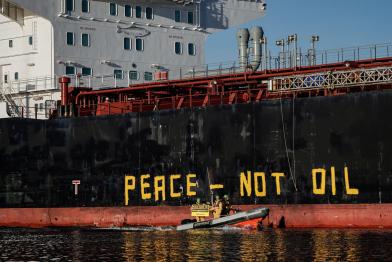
(196, 245)
(282, 222)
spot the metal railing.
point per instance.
(9, 91)
(282, 61)
(29, 112)
(290, 59)
(30, 85)
(6, 93)
(333, 79)
(213, 69)
(100, 81)
(314, 57)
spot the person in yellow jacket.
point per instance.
(226, 206)
(217, 207)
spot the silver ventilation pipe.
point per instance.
(242, 40)
(256, 38)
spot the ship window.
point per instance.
(148, 76)
(118, 74)
(70, 38)
(69, 5)
(190, 18)
(16, 76)
(149, 13)
(30, 40)
(41, 106)
(178, 48)
(128, 11)
(139, 44)
(113, 9)
(85, 6)
(127, 43)
(138, 11)
(191, 49)
(10, 43)
(85, 40)
(70, 70)
(133, 75)
(5, 79)
(86, 71)
(177, 16)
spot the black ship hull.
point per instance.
(319, 150)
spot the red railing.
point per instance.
(237, 88)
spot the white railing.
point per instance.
(268, 62)
(32, 84)
(9, 91)
(98, 82)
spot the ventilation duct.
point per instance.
(256, 36)
(250, 56)
(243, 40)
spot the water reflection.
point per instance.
(198, 245)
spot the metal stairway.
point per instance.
(14, 109)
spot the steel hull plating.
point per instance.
(289, 216)
(328, 164)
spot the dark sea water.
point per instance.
(198, 245)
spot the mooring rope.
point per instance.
(285, 143)
(293, 140)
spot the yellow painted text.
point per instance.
(159, 187)
(190, 185)
(333, 181)
(130, 184)
(144, 185)
(277, 181)
(321, 189)
(246, 183)
(349, 191)
(263, 192)
(174, 194)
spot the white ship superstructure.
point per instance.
(104, 43)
